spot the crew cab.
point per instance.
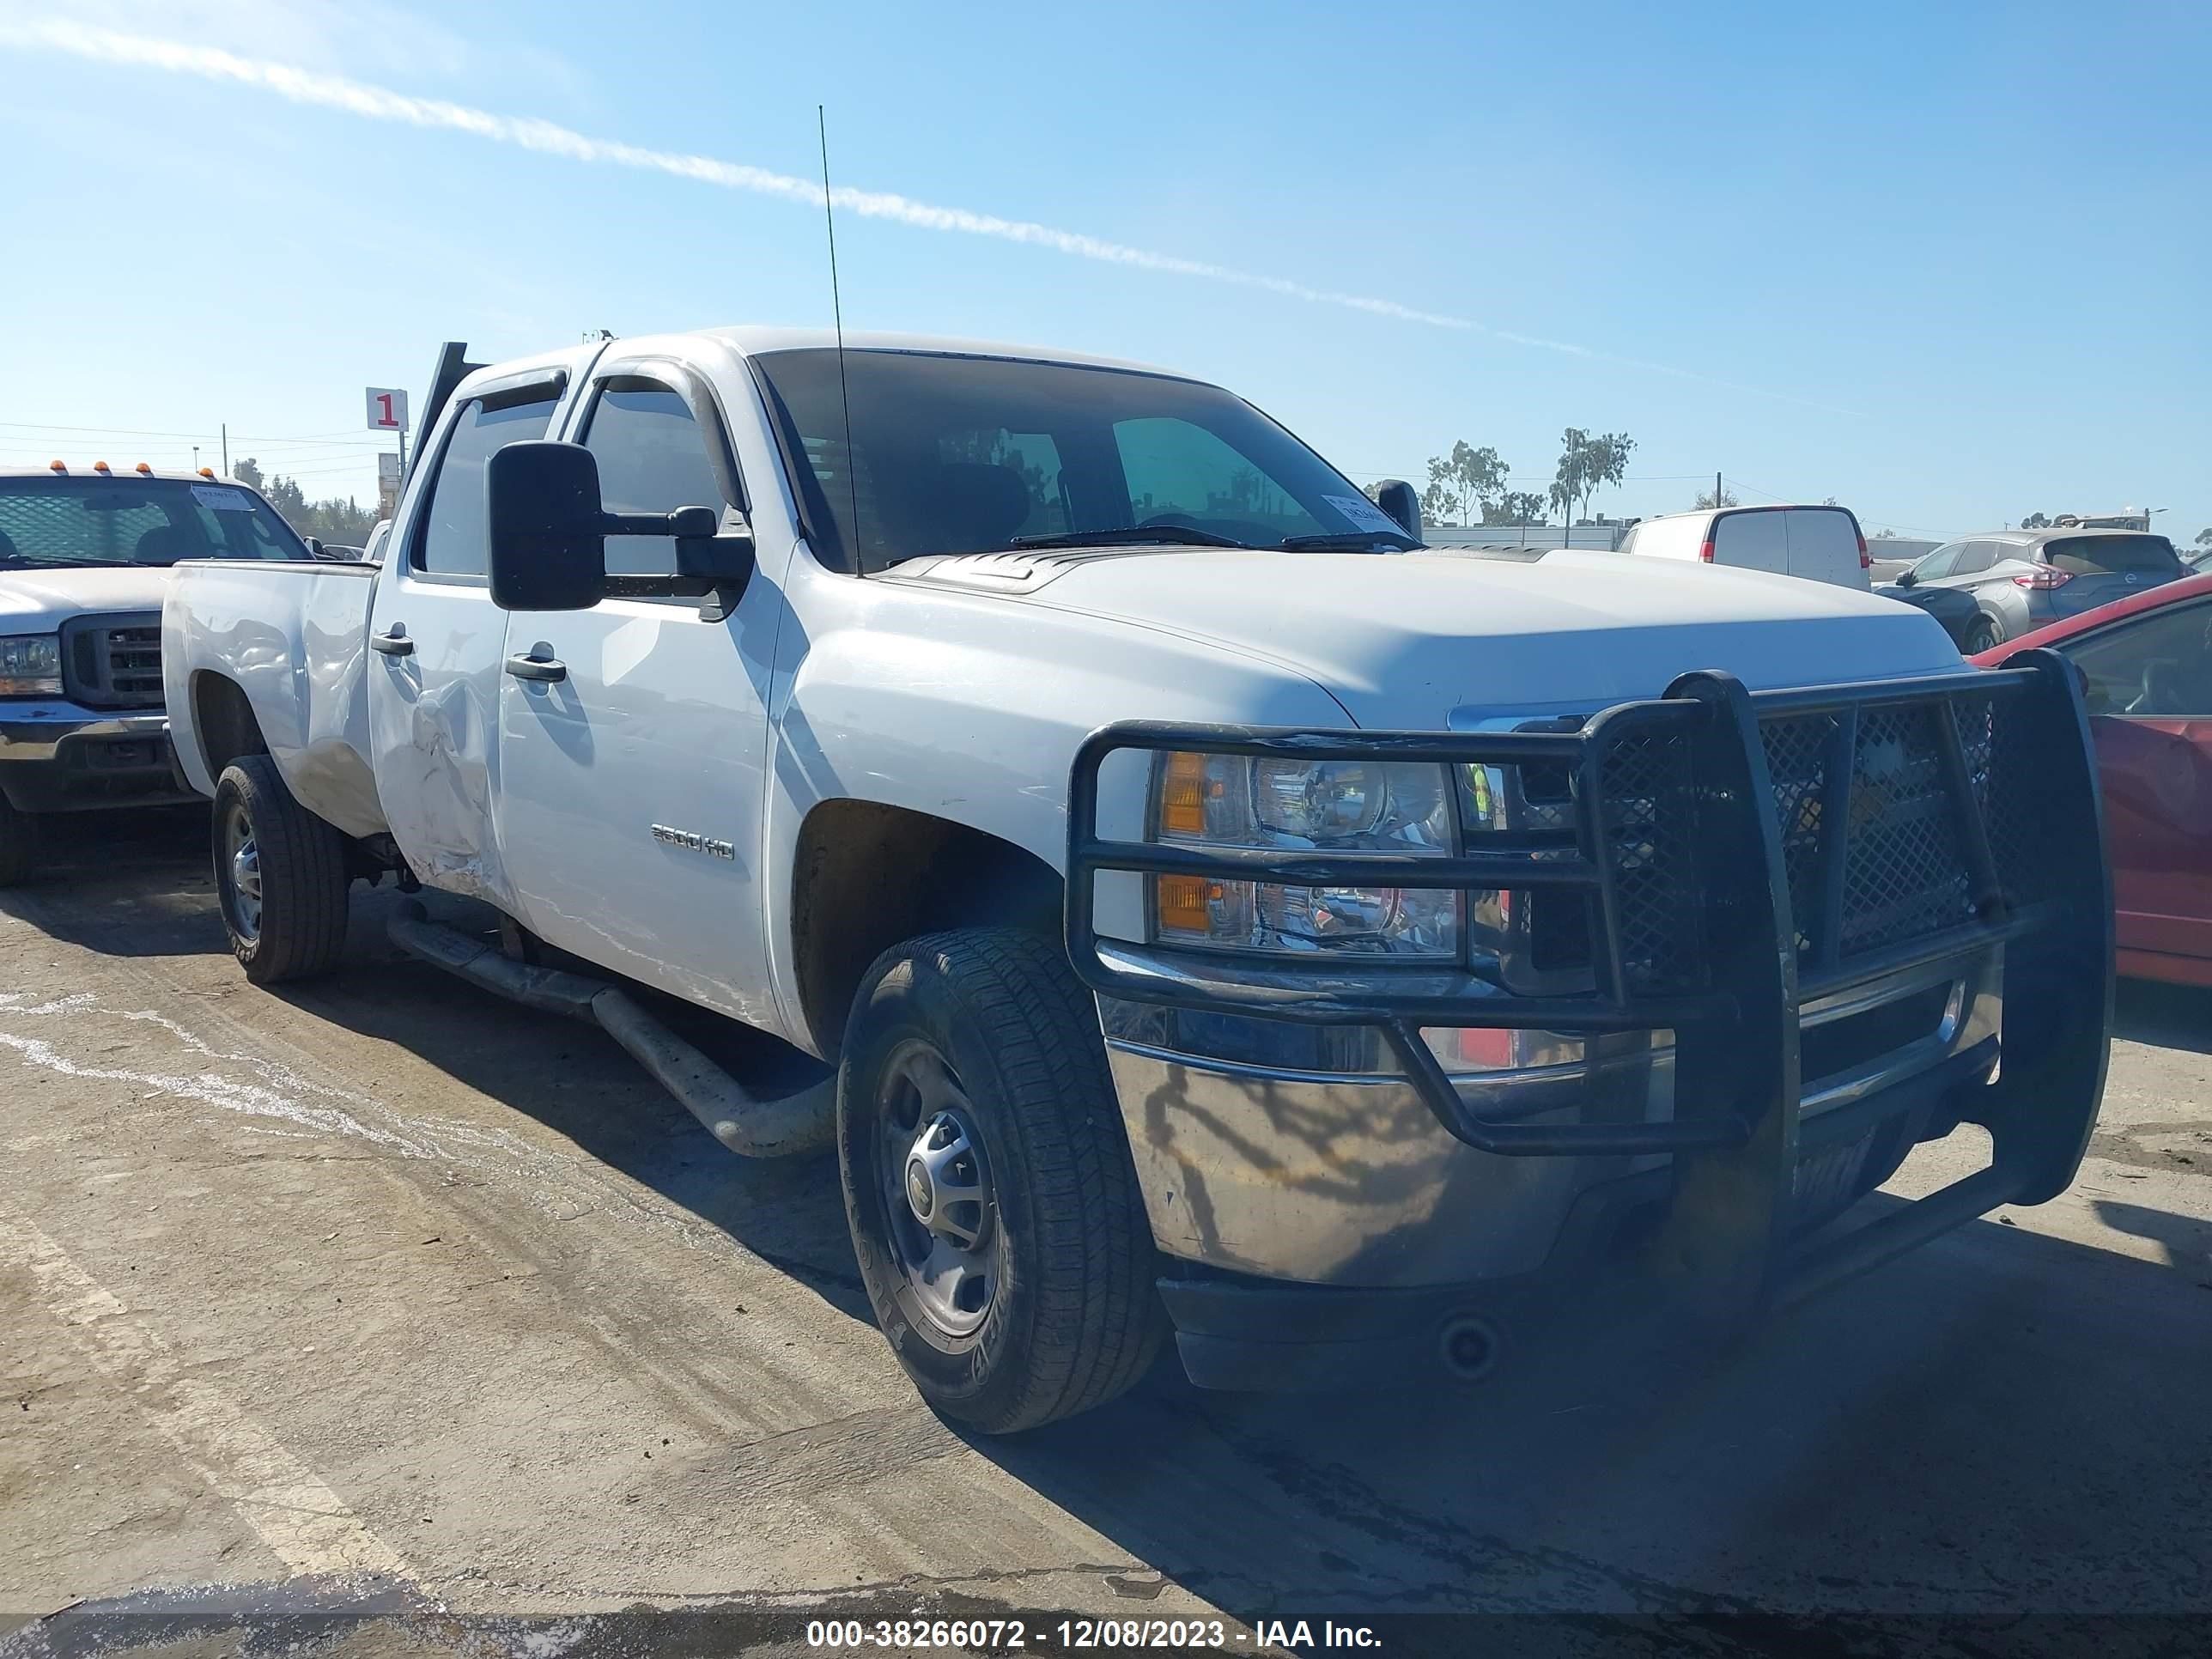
(84, 560)
(1225, 917)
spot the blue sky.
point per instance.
(1949, 264)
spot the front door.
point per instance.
(633, 735)
(2150, 697)
(437, 642)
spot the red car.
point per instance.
(2146, 667)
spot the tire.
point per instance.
(1984, 633)
(1070, 1316)
(18, 843)
(295, 927)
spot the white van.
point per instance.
(1821, 543)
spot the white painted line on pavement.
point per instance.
(304, 1523)
(209, 1088)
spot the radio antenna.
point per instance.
(837, 312)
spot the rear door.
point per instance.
(434, 676)
(2102, 568)
(1975, 566)
(1985, 570)
(2149, 681)
(1823, 546)
(632, 787)
(1752, 538)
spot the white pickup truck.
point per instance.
(1223, 915)
(85, 554)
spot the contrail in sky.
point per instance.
(377, 103)
(381, 104)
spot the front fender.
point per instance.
(971, 709)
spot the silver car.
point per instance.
(2022, 579)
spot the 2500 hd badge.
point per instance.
(695, 841)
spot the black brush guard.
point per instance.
(1679, 851)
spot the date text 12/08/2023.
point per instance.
(1083, 1635)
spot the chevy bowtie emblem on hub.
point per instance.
(695, 841)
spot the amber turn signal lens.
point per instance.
(1184, 903)
(1182, 795)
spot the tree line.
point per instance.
(340, 521)
(1471, 486)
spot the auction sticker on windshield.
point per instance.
(1365, 515)
(223, 498)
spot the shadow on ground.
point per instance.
(2001, 1424)
(2164, 1016)
(2000, 1421)
(131, 884)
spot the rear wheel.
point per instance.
(1983, 634)
(18, 843)
(993, 1208)
(280, 873)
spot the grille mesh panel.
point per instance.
(1797, 760)
(1646, 783)
(1904, 869)
(1904, 872)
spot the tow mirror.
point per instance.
(1396, 497)
(549, 530)
(548, 543)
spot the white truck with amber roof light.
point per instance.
(85, 554)
(1213, 914)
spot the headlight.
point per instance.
(30, 665)
(1300, 805)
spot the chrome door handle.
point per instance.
(538, 668)
(393, 644)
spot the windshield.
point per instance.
(959, 454)
(60, 520)
(2101, 556)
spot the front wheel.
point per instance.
(993, 1208)
(280, 872)
(1982, 634)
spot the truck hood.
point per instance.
(1430, 640)
(40, 601)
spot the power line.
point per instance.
(1864, 518)
(331, 439)
(124, 457)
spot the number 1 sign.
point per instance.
(387, 409)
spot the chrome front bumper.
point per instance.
(1348, 1179)
(58, 756)
(1842, 904)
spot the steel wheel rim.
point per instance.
(935, 1180)
(242, 859)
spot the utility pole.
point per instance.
(195, 460)
(1716, 492)
(226, 449)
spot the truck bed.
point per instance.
(292, 638)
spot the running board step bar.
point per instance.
(794, 1125)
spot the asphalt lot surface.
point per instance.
(382, 1299)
